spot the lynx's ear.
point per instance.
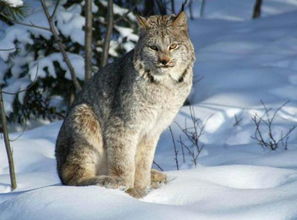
(180, 19)
(142, 22)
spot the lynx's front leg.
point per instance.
(120, 143)
(144, 159)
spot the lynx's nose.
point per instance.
(164, 60)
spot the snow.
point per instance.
(70, 23)
(239, 63)
(239, 10)
(38, 67)
(14, 3)
(14, 87)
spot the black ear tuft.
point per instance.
(180, 19)
(142, 21)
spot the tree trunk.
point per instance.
(7, 144)
(257, 9)
(109, 21)
(162, 7)
(88, 39)
(191, 9)
(202, 7)
(148, 7)
(173, 6)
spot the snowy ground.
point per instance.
(241, 62)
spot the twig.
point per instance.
(26, 24)
(20, 135)
(182, 149)
(108, 33)
(193, 135)
(61, 46)
(158, 165)
(191, 152)
(7, 144)
(175, 149)
(237, 120)
(26, 89)
(9, 49)
(284, 138)
(124, 16)
(258, 134)
(267, 120)
(31, 25)
(55, 9)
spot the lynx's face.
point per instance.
(164, 46)
(162, 54)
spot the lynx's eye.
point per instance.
(154, 48)
(173, 46)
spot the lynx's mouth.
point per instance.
(165, 66)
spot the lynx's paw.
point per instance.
(157, 178)
(137, 193)
(111, 182)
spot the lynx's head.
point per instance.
(164, 47)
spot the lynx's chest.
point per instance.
(161, 103)
(170, 93)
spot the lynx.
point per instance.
(110, 134)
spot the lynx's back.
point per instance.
(110, 134)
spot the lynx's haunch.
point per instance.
(110, 134)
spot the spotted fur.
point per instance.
(110, 134)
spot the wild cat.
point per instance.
(110, 134)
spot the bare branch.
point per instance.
(175, 149)
(26, 89)
(193, 135)
(26, 24)
(158, 165)
(284, 138)
(278, 109)
(55, 9)
(258, 134)
(267, 120)
(61, 46)
(237, 120)
(190, 151)
(20, 135)
(31, 25)
(182, 149)
(124, 16)
(9, 49)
